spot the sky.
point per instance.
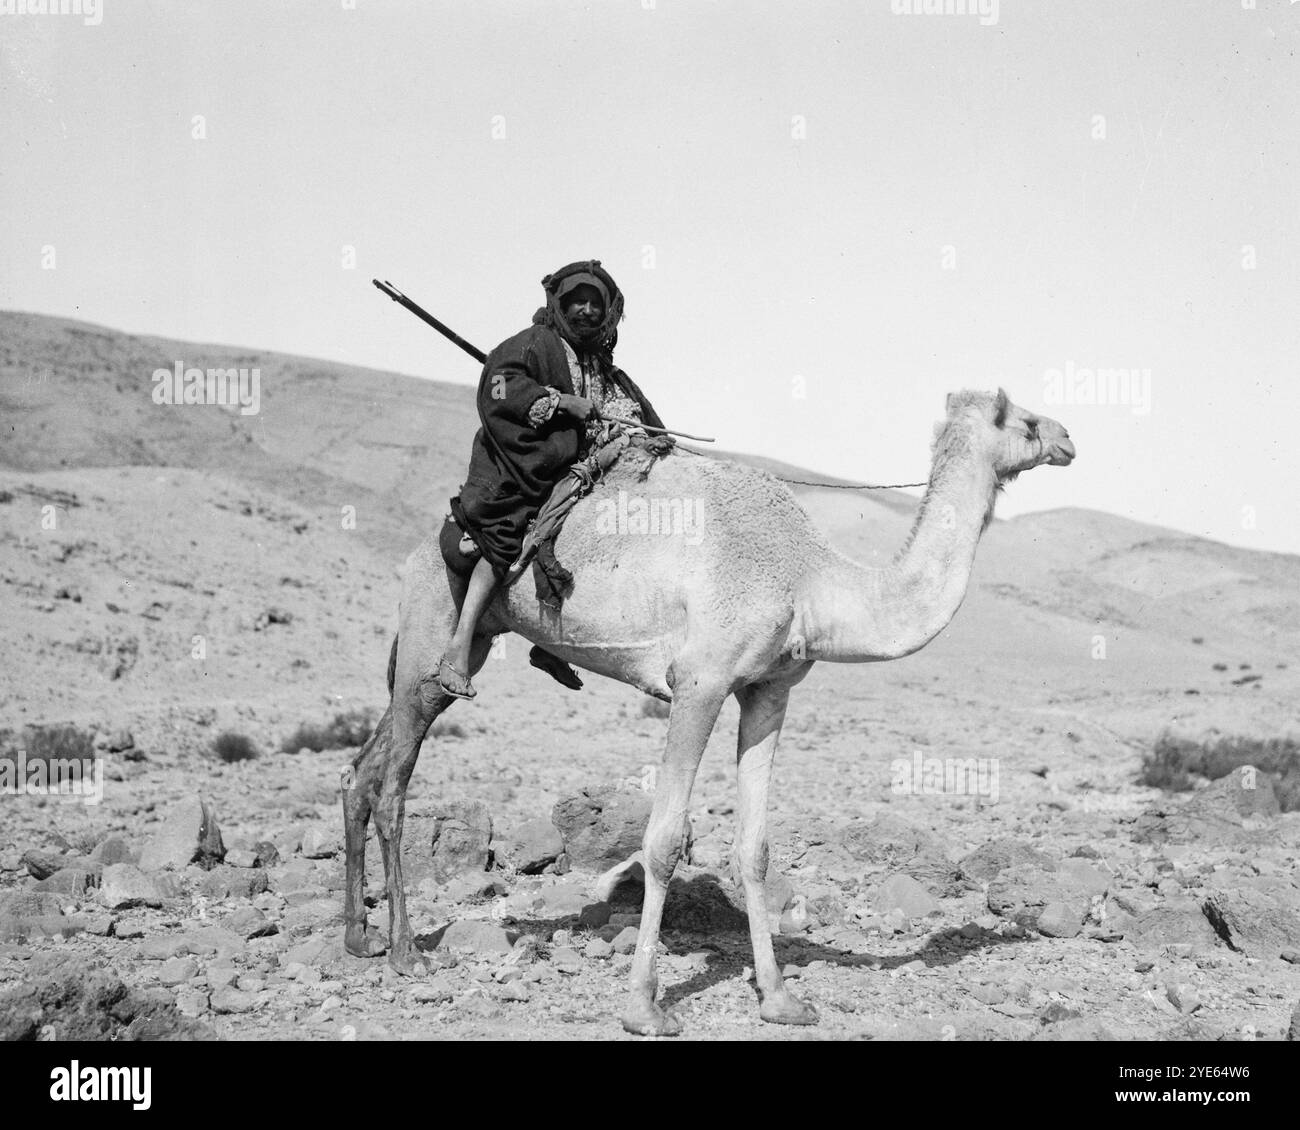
(824, 216)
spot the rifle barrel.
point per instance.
(424, 315)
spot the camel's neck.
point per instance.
(856, 614)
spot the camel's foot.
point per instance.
(406, 960)
(643, 1017)
(785, 1008)
(361, 940)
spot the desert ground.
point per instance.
(213, 590)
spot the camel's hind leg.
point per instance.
(361, 781)
(694, 711)
(377, 780)
(762, 711)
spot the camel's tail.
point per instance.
(392, 667)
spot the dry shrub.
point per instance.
(1175, 762)
(230, 746)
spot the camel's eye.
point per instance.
(1031, 428)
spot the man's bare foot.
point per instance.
(455, 683)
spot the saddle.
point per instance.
(552, 580)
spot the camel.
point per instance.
(744, 608)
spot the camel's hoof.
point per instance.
(785, 1008)
(645, 1018)
(408, 962)
(363, 941)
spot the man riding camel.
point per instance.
(540, 402)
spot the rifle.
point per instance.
(479, 356)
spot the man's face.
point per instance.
(583, 309)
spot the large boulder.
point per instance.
(443, 841)
(1255, 923)
(602, 826)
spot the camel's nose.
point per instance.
(1062, 452)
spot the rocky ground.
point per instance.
(212, 893)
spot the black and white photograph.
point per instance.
(651, 521)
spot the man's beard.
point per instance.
(585, 332)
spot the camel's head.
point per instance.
(1016, 439)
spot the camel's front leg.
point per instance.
(694, 711)
(762, 711)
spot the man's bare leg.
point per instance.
(482, 588)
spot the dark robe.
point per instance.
(513, 466)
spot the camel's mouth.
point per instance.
(1061, 453)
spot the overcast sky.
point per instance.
(824, 216)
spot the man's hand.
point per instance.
(579, 407)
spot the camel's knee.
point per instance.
(665, 847)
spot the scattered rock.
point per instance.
(268, 855)
(224, 882)
(189, 833)
(71, 880)
(241, 857)
(625, 942)
(228, 999)
(987, 862)
(1060, 920)
(42, 863)
(177, 970)
(119, 741)
(249, 922)
(321, 841)
(124, 884)
(1183, 997)
(896, 844)
(114, 849)
(1178, 922)
(91, 1005)
(598, 949)
(476, 936)
(902, 892)
(530, 847)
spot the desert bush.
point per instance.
(448, 730)
(49, 743)
(1174, 762)
(230, 746)
(348, 729)
(653, 708)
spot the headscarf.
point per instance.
(588, 272)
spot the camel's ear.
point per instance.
(1000, 406)
(947, 404)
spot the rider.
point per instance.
(540, 399)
